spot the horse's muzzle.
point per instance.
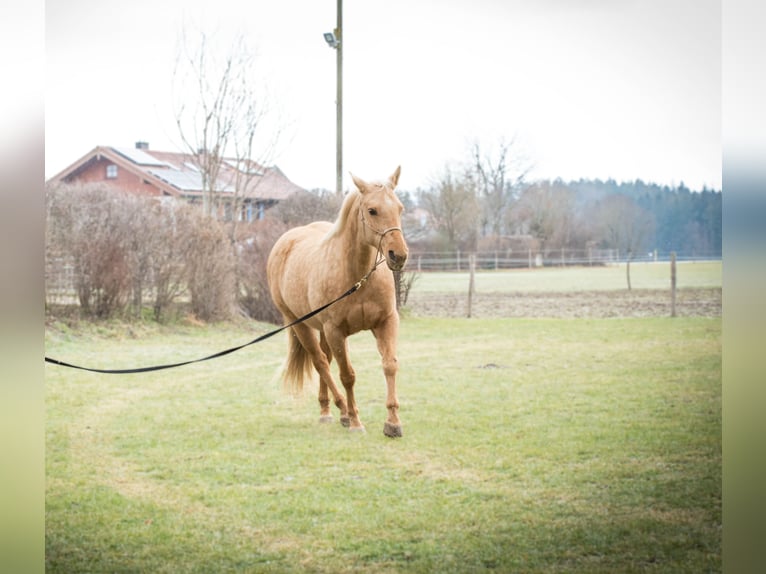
(396, 261)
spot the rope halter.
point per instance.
(380, 258)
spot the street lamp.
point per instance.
(333, 40)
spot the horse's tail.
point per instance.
(298, 366)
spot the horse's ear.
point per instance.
(394, 177)
(359, 183)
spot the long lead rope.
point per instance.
(378, 260)
(307, 316)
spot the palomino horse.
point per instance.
(311, 265)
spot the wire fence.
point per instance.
(61, 280)
(530, 259)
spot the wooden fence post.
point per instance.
(471, 270)
(673, 284)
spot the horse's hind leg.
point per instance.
(325, 416)
(339, 346)
(321, 361)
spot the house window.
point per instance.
(111, 171)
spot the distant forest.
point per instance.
(685, 221)
(480, 209)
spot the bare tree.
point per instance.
(453, 206)
(546, 210)
(624, 226)
(543, 211)
(221, 108)
(254, 146)
(498, 177)
(219, 113)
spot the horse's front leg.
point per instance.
(386, 335)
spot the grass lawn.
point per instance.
(613, 277)
(530, 445)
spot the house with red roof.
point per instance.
(244, 185)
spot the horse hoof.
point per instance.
(345, 421)
(325, 419)
(357, 430)
(392, 430)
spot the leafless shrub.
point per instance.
(165, 240)
(304, 207)
(252, 253)
(209, 267)
(255, 242)
(403, 281)
(121, 248)
(92, 226)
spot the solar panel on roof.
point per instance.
(140, 157)
(187, 180)
(183, 180)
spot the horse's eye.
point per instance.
(372, 211)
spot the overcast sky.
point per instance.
(620, 89)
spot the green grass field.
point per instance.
(613, 277)
(530, 445)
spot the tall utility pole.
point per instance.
(339, 103)
(335, 41)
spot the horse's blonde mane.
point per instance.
(347, 209)
(349, 203)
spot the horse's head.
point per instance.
(381, 214)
